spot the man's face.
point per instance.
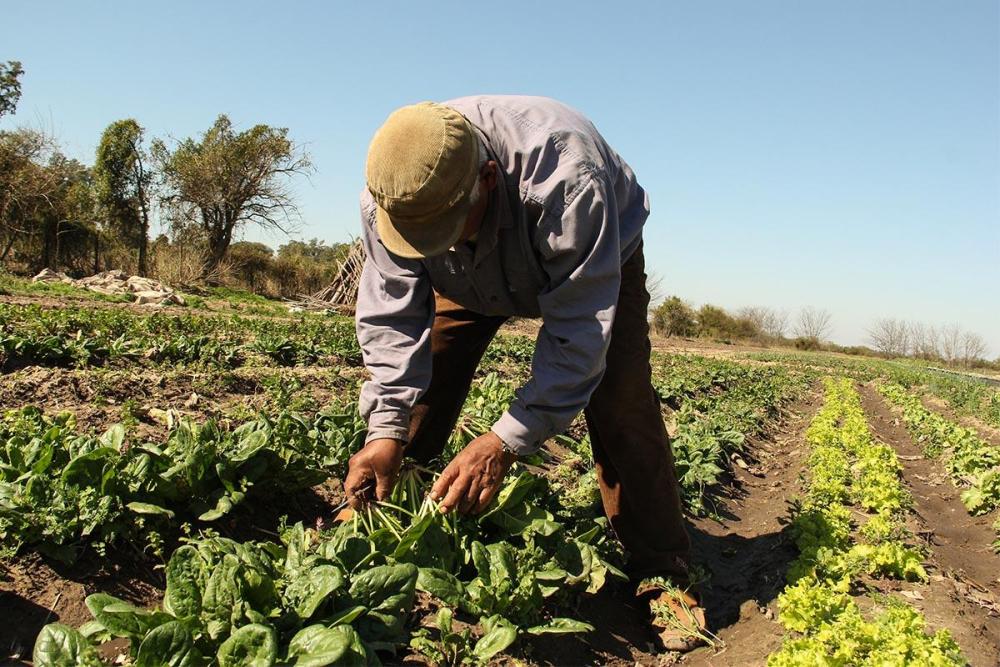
(486, 183)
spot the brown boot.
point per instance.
(676, 616)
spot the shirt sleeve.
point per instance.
(393, 322)
(581, 255)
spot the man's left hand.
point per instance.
(474, 476)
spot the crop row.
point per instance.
(340, 596)
(851, 475)
(77, 336)
(969, 396)
(718, 405)
(62, 491)
(972, 463)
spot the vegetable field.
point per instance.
(170, 495)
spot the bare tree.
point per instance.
(654, 285)
(924, 341)
(973, 348)
(951, 343)
(776, 323)
(890, 336)
(755, 315)
(813, 323)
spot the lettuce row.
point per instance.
(851, 473)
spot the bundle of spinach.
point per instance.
(338, 596)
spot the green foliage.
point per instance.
(335, 597)
(716, 323)
(227, 179)
(836, 633)
(78, 336)
(974, 464)
(58, 645)
(299, 267)
(719, 404)
(46, 205)
(673, 317)
(61, 491)
(10, 86)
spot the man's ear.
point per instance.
(490, 174)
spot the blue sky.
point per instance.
(844, 155)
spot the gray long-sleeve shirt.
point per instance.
(566, 214)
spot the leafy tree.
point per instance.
(713, 321)
(66, 227)
(24, 183)
(123, 183)
(315, 250)
(10, 86)
(227, 180)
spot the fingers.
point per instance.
(358, 486)
(383, 486)
(471, 498)
(443, 482)
(456, 494)
(485, 498)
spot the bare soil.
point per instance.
(102, 397)
(34, 591)
(964, 590)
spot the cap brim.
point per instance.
(417, 240)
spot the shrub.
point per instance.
(673, 317)
(807, 343)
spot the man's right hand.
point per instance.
(372, 471)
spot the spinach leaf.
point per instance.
(60, 646)
(498, 634)
(253, 645)
(311, 587)
(169, 645)
(185, 579)
(318, 645)
(388, 592)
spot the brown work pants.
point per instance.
(635, 466)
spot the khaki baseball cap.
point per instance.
(422, 165)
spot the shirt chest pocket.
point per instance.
(522, 280)
(449, 278)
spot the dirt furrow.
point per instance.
(964, 592)
(748, 553)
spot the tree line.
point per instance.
(950, 344)
(675, 317)
(58, 213)
(888, 337)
